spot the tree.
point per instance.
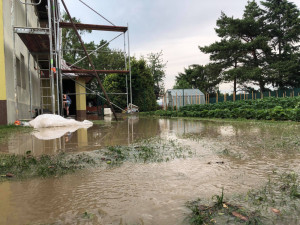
(282, 19)
(116, 83)
(243, 48)
(157, 67)
(71, 45)
(182, 84)
(227, 54)
(260, 48)
(206, 78)
(142, 86)
(252, 31)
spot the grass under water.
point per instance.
(147, 151)
(278, 202)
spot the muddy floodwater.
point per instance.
(236, 156)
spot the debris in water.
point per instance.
(225, 206)
(221, 162)
(275, 210)
(240, 216)
(9, 175)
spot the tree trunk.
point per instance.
(261, 86)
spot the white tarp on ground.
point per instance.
(51, 120)
(53, 132)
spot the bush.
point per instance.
(262, 109)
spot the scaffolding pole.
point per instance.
(56, 32)
(125, 57)
(51, 57)
(129, 64)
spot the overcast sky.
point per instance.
(174, 26)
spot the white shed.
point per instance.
(182, 97)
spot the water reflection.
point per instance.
(72, 139)
(153, 193)
(132, 129)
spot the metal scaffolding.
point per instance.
(45, 45)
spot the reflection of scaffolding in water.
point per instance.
(45, 44)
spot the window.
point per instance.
(18, 73)
(21, 72)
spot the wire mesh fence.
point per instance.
(215, 98)
(175, 101)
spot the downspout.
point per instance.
(12, 15)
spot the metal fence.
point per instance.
(215, 98)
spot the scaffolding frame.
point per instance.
(54, 73)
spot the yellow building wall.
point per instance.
(2, 57)
(80, 94)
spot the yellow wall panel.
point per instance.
(2, 57)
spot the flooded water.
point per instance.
(235, 155)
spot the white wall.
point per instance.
(18, 98)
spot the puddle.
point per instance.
(71, 139)
(235, 155)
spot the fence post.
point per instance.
(255, 95)
(172, 103)
(276, 94)
(176, 102)
(261, 95)
(252, 95)
(269, 94)
(234, 96)
(217, 97)
(293, 94)
(180, 100)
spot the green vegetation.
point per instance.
(260, 48)
(26, 166)
(29, 166)
(261, 109)
(142, 86)
(276, 203)
(147, 74)
(6, 131)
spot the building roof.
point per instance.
(186, 92)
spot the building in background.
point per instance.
(176, 98)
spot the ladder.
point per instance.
(45, 84)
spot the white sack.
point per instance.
(52, 120)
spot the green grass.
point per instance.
(43, 166)
(278, 202)
(147, 151)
